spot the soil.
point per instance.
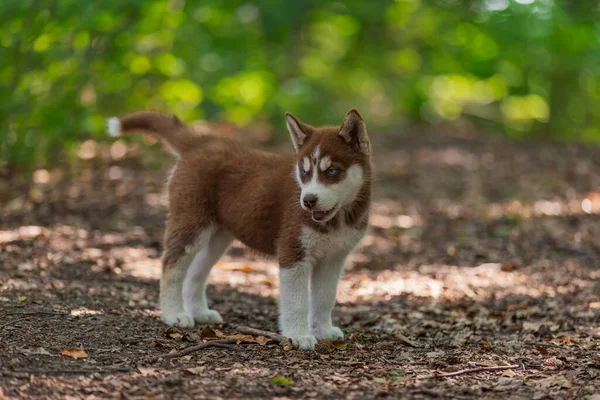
(481, 252)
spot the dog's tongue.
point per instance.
(319, 215)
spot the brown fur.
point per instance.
(251, 193)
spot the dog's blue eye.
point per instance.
(332, 171)
(303, 172)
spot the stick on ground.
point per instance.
(283, 341)
(214, 343)
(468, 371)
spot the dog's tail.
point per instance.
(175, 134)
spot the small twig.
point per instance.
(555, 346)
(12, 322)
(36, 312)
(213, 343)
(27, 374)
(283, 341)
(468, 371)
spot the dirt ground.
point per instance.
(482, 253)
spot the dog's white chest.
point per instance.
(334, 244)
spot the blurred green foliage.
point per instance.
(521, 65)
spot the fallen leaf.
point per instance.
(174, 333)
(191, 337)
(288, 347)
(242, 338)
(340, 344)
(208, 334)
(147, 371)
(21, 299)
(262, 340)
(195, 370)
(74, 353)
(280, 380)
(335, 344)
(509, 372)
(405, 340)
(554, 381)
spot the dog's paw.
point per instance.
(207, 317)
(307, 342)
(330, 333)
(180, 319)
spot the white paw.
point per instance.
(180, 319)
(307, 342)
(207, 317)
(330, 333)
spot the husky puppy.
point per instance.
(309, 210)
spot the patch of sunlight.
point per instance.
(406, 60)
(88, 150)
(496, 5)
(170, 65)
(78, 312)
(589, 205)
(41, 176)
(81, 40)
(42, 43)
(118, 150)
(24, 232)
(452, 156)
(526, 108)
(140, 64)
(448, 282)
(184, 91)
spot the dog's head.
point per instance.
(332, 164)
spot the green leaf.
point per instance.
(280, 380)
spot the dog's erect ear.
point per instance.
(354, 131)
(298, 131)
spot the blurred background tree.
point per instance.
(524, 67)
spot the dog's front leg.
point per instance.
(324, 281)
(293, 305)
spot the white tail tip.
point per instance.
(113, 126)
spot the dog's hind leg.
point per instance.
(194, 286)
(182, 242)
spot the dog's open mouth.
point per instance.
(322, 215)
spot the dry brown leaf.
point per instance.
(336, 344)
(340, 344)
(247, 268)
(194, 370)
(405, 340)
(262, 340)
(74, 353)
(288, 347)
(147, 371)
(174, 333)
(554, 381)
(208, 334)
(242, 338)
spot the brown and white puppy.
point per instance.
(310, 211)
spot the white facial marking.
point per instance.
(315, 155)
(306, 164)
(325, 163)
(336, 195)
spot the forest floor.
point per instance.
(481, 253)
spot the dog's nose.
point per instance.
(310, 200)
